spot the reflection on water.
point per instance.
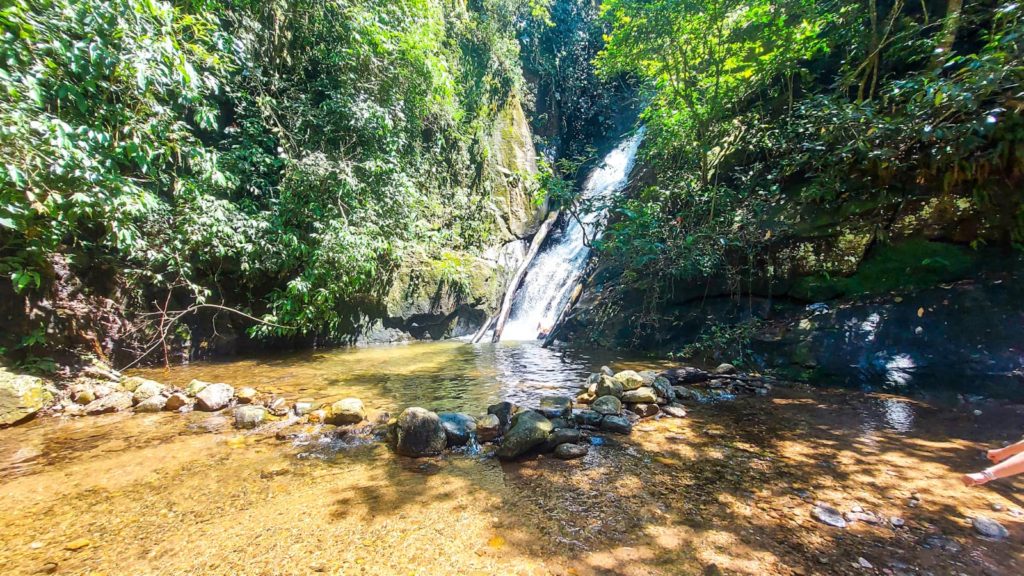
(448, 375)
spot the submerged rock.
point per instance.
(114, 402)
(21, 396)
(488, 428)
(617, 424)
(641, 395)
(674, 410)
(214, 397)
(555, 406)
(459, 428)
(571, 451)
(629, 379)
(606, 405)
(989, 528)
(529, 429)
(248, 416)
(418, 432)
(345, 411)
(828, 515)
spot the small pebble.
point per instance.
(863, 563)
(989, 528)
(997, 507)
(977, 412)
(896, 522)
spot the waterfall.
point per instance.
(552, 276)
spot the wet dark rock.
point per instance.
(562, 436)
(418, 432)
(563, 422)
(645, 410)
(664, 389)
(346, 411)
(588, 418)
(989, 528)
(503, 410)
(214, 397)
(828, 515)
(724, 369)
(641, 395)
(686, 375)
(941, 542)
(571, 451)
(629, 380)
(155, 403)
(488, 428)
(555, 406)
(632, 417)
(115, 402)
(528, 430)
(248, 416)
(674, 410)
(176, 401)
(459, 428)
(616, 424)
(606, 405)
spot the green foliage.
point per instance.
(278, 156)
(762, 113)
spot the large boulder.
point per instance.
(629, 379)
(529, 429)
(686, 375)
(588, 418)
(214, 397)
(177, 401)
(561, 436)
(145, 389)
(641, 395)
(346, 411)
(418, 432)
(459, 428)
(606, 405)
(21, 396)
(488, 428)
(555, 406)
(571, 451)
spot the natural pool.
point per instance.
(728, 489)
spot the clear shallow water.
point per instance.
(187, 494)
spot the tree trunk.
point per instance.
(949, 31)
(517, 279)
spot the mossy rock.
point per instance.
(906, 266)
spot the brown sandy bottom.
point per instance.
(728, 490)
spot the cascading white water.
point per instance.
(551, 277)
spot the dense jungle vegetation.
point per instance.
(284, 158)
